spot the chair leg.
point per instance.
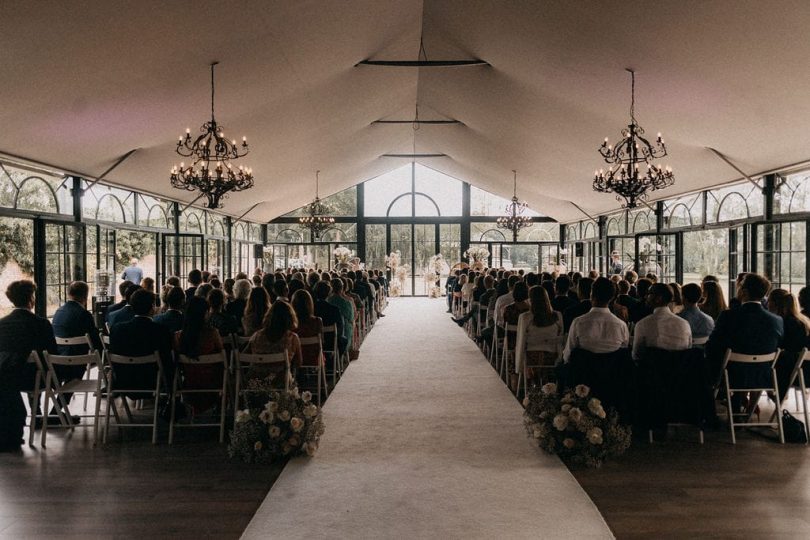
(34, 402)
(128, 411)
(778, 407)
(173, 397)
(97, 414)
(730, 408)
(44, 433)
(804, 401)
(110, 403)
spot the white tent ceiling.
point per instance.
(83, 83)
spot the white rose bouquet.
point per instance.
(574, 425)
(342, 254)
(476, 254)
(276, 425)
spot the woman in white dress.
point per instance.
(539, 334)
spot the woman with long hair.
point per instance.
(676, 306)
(276, 335)
(714, 301)
(197, 338)
(539, 329)
(257, 305)
(308, 324)
(224, 323)
(797, 330)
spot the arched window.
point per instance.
(157, 217)
(492, 235)
(289, 236)
(192, 222)
(110, 208)
(733, 206)
(641, 222)
(36, 194)
(680, 216)
(572, 232)
(239, 232)
(590, 231)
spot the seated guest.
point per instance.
(241, 293)
(797, 328)
(662, 329)
(328, 313)
(700, 323)
(583, 306)
(276, 335)
(676, 306)
(748, 329)
(561, 300)
(227, 286)
(623, 297)
(172, 318)
(312, 278)
(267, 283)
(520, 294)
(804, 301)
(194, 281)
(537, 329)
(149, 284)
(123, 287)
(506, 299)
(281, 291)
(346, 307)
(73, 320)
(21, 332)
(631, 277)
(642, 308)
(203, 290)
(713, 302)
(215, 282)
(140, 336)
(125, 313)
(257, 305)
(224, 323)
(197, 338)
(308, 324)
(735, 301)
(295, 286)
(599, 330)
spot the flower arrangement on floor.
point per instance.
(574, 425)
(476, 254)
(277, 424)
(392, 261)
(435, 268)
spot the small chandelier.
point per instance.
(623, 176)
(212, 152)
(513, 219)
(316, 218)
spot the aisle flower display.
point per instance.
(574, 425)
(392, 261)
(342, 256)
(276, 424)
(476, 254)
(433, 272)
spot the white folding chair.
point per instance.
(245, 361)
(55, 390)
(36, 392)
(551, 349)
(330, 348)
(314, 361)
(797, 377)
(508, 351)
(83, 340)
(114, 360)
(494, 352)
(178, 390)
(732, 357)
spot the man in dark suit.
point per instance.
(125, 313)
(172, 318)
(583, 307)
(140, 337)
(329, 313)
(122, 290)
(195, 278)
(561, 300)
(747, 329)
(21, 332)
(73, 320)
(641, 308)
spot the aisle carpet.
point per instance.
(423, 440)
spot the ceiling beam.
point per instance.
(414, 156)
(733, 166)
(118, 162)
(422, 63)
(429, 122)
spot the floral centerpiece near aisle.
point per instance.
(476, 254)
(433, 272)
(276, 424)
(574, 425)
(392, 262)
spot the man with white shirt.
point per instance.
(662, 329)
(506, 299)
(599, 330)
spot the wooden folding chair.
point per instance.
(143, 362)
(55, 390)
(178, 390)
(276, 361)
(731, 358)
(313, 360)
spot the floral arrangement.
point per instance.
(343, 254)
(393, 260)
(277, 424)
(574, 425)
(476, 254)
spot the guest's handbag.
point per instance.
(794, 428)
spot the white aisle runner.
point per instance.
(423, 440)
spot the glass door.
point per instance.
(64, 262)
(183, 253)
(780, 253)
(401, 237)
(658, 254)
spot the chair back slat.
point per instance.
(77, 340)
(153, 358)
(311, 350)
(214, 358)
(72, 360)
(270, 358)
(771, 357)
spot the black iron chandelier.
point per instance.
(513, 219)
(624, 176)
(316, 219)
(211, 172)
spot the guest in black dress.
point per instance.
(797, 329)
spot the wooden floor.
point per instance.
(675, 488)
(129, 489)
